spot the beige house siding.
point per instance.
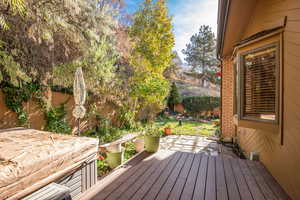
(283, 161)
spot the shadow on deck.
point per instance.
(186, 175)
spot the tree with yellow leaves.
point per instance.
(153, 40)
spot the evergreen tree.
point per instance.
(201, 52)
(174, 97)
(153, 41)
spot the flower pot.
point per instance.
(139, 144)
(114, 148)
(102, 149)
(168, 131)
(114, 159)
(152, 143)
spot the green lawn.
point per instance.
(189, 127)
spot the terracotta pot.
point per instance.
(102, 149)
(139, 144)
(168, 131)
(114, 148)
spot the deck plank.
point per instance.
(152, 178)
(178, 175)
(253, 187)
(241, 182)
(166, 189)
(188, 190)
(199, 191)
(180, 182)
(113, 181)
(221, 189)
(267, 192)
(139, 183)
(273, 184)
(210, 192)
(233, 192)
(156, 187)
(138, 177)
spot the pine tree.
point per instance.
(174, 97)
(201, 52)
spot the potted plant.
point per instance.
(152, 139)
(115, 159)
(139, 144)
(168, 129)
(115, 151)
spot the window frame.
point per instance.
(241, 78)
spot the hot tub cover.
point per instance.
(28, 156)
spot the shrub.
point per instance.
(129, 150)
(55, 120)
(174, 97)
(201, 103)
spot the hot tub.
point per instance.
(31, 159)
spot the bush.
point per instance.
(56, 122)
(201, 103)
(174, 97)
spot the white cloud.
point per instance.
(188, 16)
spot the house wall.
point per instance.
(283, 161)
(228, 128)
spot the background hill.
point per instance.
(189, 89)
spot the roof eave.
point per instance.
(223, 11)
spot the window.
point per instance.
(259, 84)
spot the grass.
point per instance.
(189, 127)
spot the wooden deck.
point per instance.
(182, 175)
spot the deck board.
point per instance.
(272, 183)
(232, 188)
(139, 183)
(210, 192)
(166, 189)
(180, 182)
(240, 180)
(152, 178)
(253, 187)
(221, 188)
(266, 191)
(182, 175)
(140, 175)
(188, 190)
(123, 177)
(153, 192)
(199, 191)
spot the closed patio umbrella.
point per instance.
(79, 92)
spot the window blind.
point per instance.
(260, 84)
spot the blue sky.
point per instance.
(188, 16)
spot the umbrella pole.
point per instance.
(78, 127)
